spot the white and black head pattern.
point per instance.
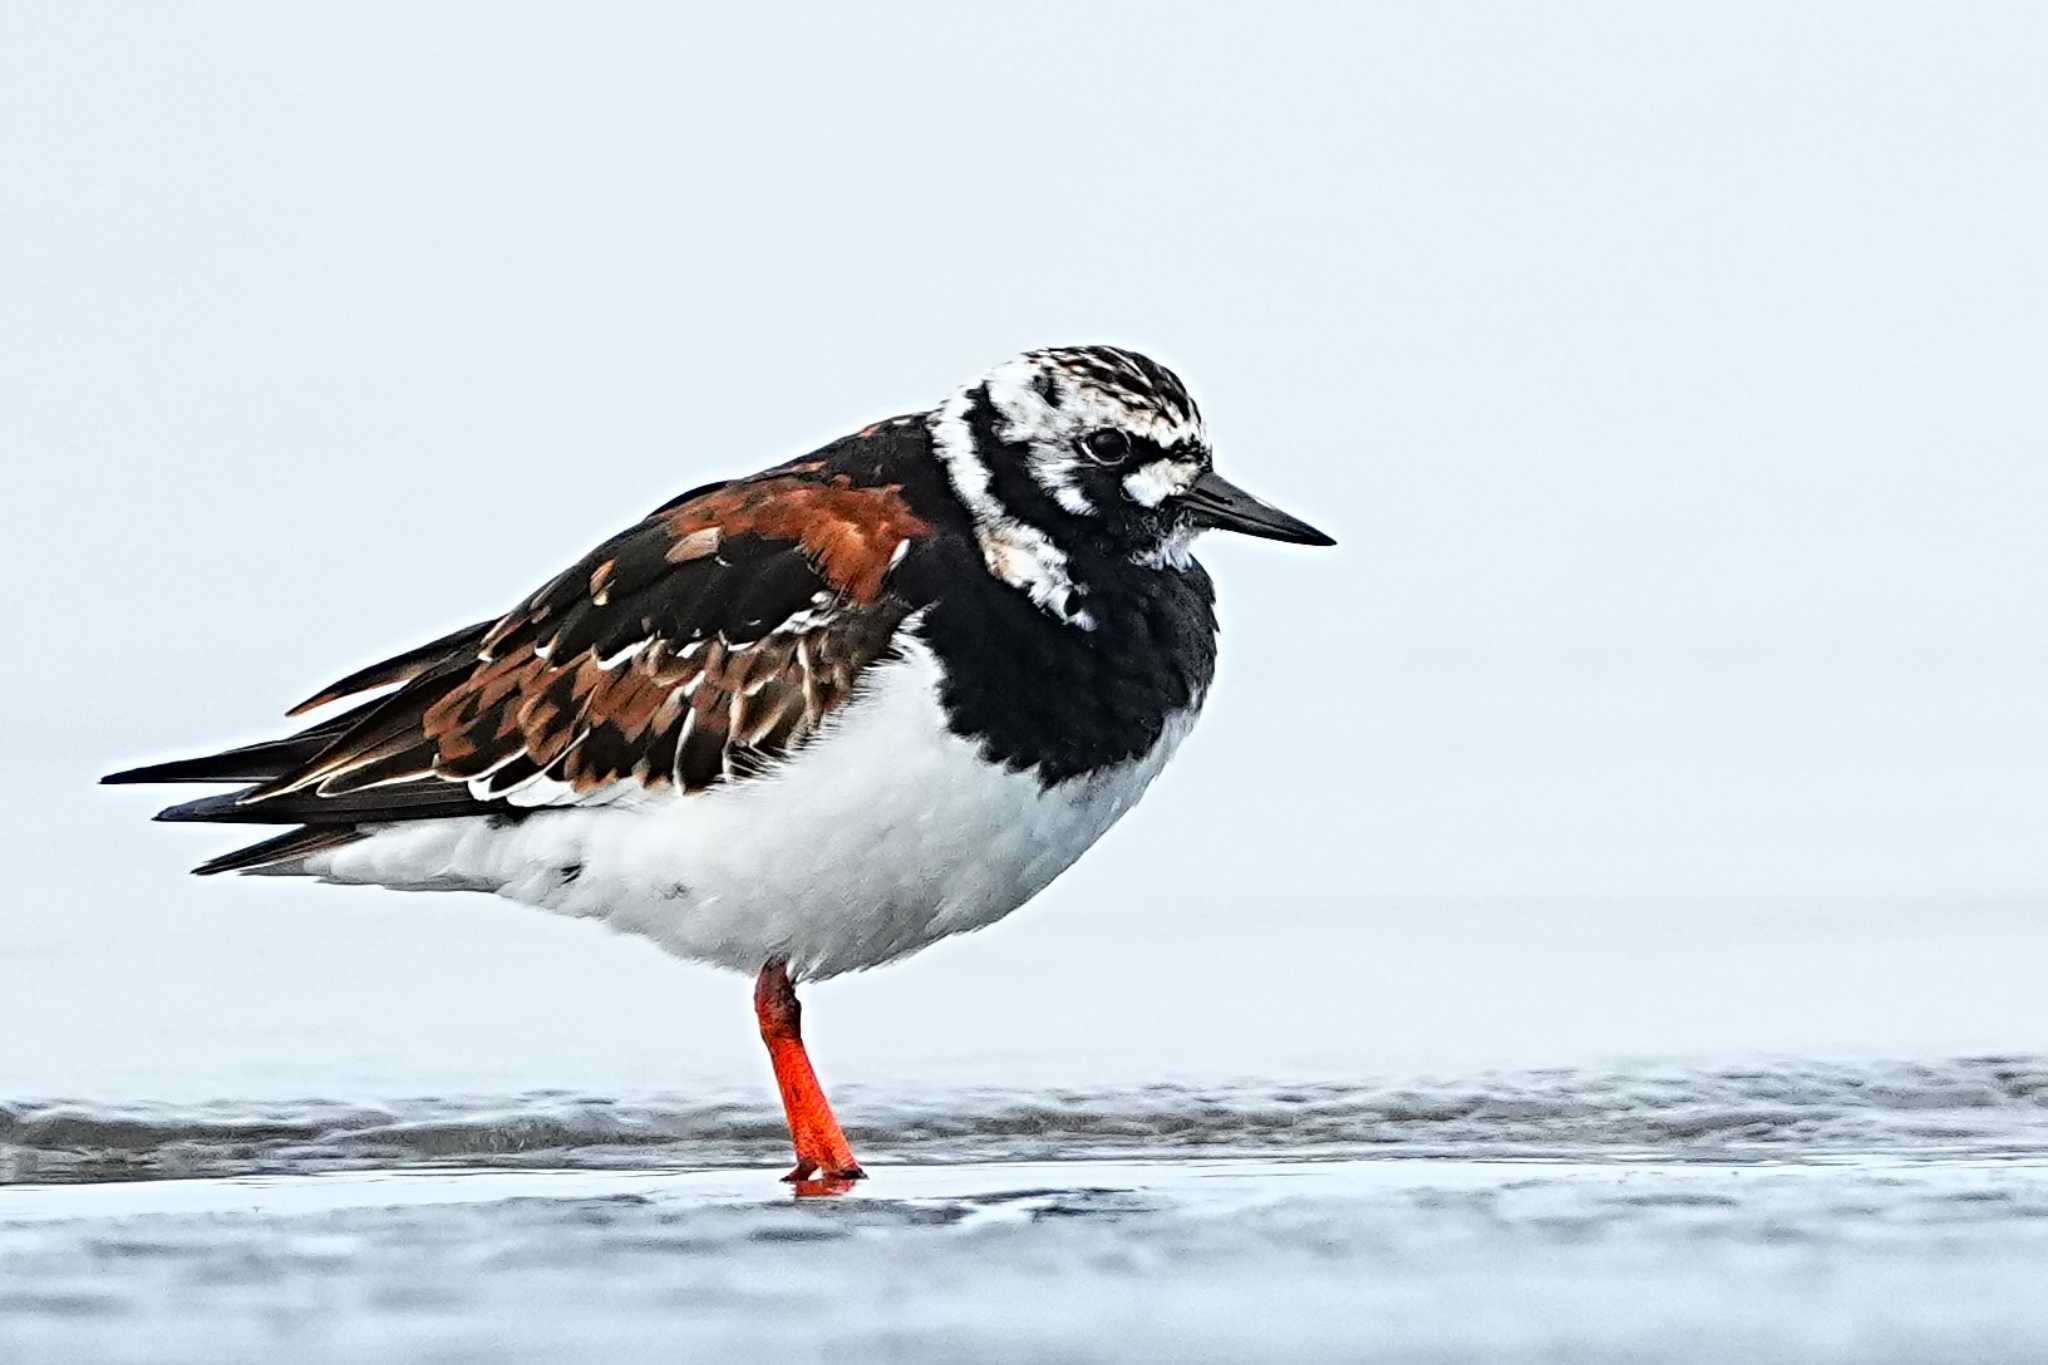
(1070, 450)
(1089, 455)
(1108, 433)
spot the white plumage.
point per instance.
(883, 834)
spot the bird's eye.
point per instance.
(1107, 446)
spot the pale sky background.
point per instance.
(1672, 375)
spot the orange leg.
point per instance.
(821, 1149)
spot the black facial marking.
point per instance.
(1114, 526)
(1010, 478)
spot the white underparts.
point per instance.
(882, 835)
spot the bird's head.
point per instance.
(1090, 449)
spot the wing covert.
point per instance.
(700, 645)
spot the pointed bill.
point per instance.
(1221, 504)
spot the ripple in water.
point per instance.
(1784, 1110)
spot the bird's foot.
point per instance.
(808, 1170)
(809, 1181)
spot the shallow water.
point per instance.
(1792, 1211)
(1778, 1110)
(274, 1123)
(1184, 1259)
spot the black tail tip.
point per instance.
(223, 807)
(177, 770)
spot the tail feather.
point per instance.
(251, 806)
(282, 780)
(263, 762)
(273, 854)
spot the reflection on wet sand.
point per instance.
(1873, 1256)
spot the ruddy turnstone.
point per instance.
(806, 721)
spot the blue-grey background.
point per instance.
(1672, 376)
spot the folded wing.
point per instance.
(698, 647)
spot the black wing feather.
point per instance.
(251, 762)
(696, 647)
(455, 645)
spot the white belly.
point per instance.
(886, 833)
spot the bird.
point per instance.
(802, 722)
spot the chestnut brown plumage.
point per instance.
(705, 642)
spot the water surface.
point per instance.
(1790, 1211)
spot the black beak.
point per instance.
(1219, 503)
